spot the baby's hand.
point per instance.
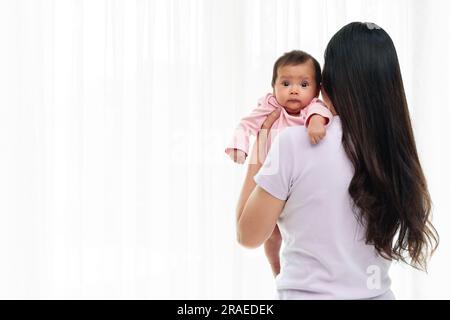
(238, 156)
(316, 128)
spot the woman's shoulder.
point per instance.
(297, 136)
(290, 134)
(291, 141)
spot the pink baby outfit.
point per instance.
(251, 124)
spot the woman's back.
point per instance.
(324, 254)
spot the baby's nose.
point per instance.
(295, 88)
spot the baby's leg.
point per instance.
(272, 249)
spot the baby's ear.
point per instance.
(318, 91)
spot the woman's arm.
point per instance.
(257, 210)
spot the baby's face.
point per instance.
(295, 86)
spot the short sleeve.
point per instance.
(318, 107)
(275, 176)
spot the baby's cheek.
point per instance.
(311, 95)
(280, 98)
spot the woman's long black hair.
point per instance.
(362, 78)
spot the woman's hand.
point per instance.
(258, 153)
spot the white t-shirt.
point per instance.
(324, 255)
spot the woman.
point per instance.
(356, 201)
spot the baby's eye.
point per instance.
(304, 84)
(285, 83)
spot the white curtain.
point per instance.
(114, 116)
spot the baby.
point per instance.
(296, 85)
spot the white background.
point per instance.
(114, 116)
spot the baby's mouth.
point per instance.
(295, 103)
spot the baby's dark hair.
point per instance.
(294, 58)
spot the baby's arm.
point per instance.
(316, 128)
(237, 155)
(238, 148)
(318, 117)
